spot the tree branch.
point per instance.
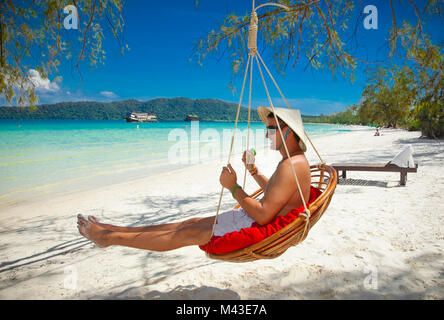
(93, 9)
(327, 29)
(300, 37)
(17, 61)
(395, 28)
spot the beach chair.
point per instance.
(402, 163)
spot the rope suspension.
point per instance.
(232, 142)
(254, 54)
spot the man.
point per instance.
(280, 196)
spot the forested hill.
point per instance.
(166, 109)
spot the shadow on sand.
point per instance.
(405, 284)
(189, 292)
(157, 210)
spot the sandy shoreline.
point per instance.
(377, 240)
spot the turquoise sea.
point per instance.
(41, 158)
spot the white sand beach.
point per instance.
(377, 240)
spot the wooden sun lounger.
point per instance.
(385, 167)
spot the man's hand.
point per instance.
(228, 177)
(249, 166)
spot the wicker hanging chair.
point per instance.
(323, 177)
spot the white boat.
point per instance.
(141, 117)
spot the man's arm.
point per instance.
(274, 200)
(260, 179)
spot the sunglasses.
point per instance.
(275, 127)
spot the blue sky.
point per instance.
(161, 34)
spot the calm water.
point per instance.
(44, 157)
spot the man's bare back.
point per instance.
(282, 182)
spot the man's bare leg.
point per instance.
(191, 234)
(160, 227)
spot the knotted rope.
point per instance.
(252, 34)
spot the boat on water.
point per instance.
(141, 117)
(191, 117)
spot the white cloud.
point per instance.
(108, 94)
(42, 85)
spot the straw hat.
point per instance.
(291, 117)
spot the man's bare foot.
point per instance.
(106, 226)
(92, 232)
